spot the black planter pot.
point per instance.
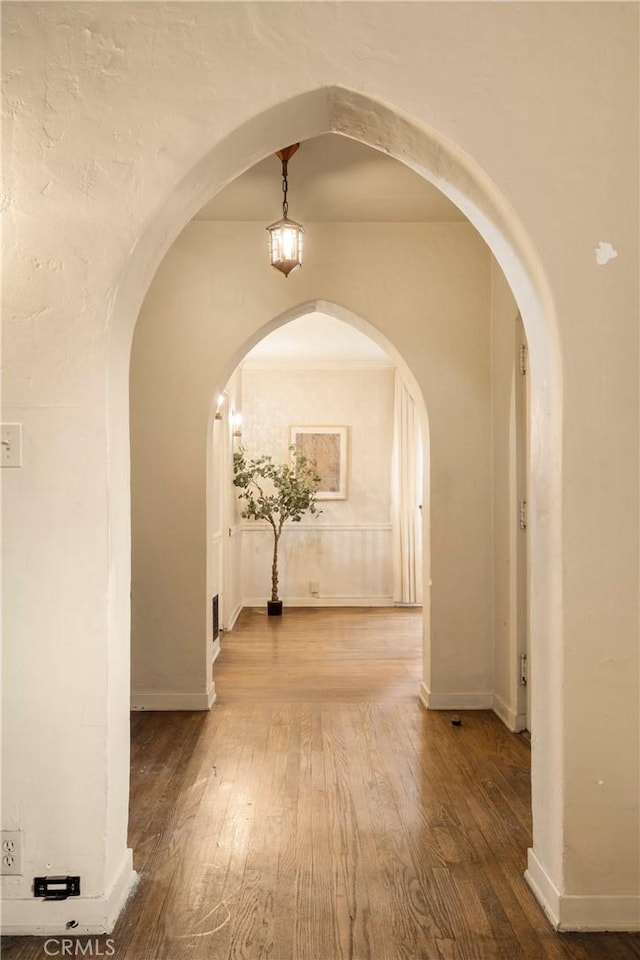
(274, 608)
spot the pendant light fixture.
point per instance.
(285, 236)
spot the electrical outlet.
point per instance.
(11, 853)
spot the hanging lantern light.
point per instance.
(285, 236)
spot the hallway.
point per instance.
(319, 812)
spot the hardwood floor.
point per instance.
(318, 812)
(322, 655)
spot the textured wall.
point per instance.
(121, 119)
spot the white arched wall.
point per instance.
(527, 101)
(340, 111)
(459, 177)
(216, 271)
(219, 461)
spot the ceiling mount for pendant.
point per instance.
(287, 152)
(285, 235)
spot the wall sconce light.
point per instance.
(285, 236)
(219, 405)
(237, 426)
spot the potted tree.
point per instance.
(275, 493)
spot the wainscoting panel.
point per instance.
(330, 563)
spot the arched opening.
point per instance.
(340, 111)
(367, 539)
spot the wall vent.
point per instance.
(216, 617)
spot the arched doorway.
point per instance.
(340, 111)
(372, 541)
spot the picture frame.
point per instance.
(327, 446)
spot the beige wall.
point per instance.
(122, 119)
(211, 297)
(347, 548)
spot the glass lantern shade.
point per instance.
(285, 245)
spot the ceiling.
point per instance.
(332, 178)
(317, 336)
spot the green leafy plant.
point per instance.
(275, 493)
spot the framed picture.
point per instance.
(327, 446)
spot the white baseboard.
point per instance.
(593, 914)
(93, 915)
(515, 722)
(234, 616)
(455, 701)
(216, 650)
(172, 700)
(545, 891)
(587, 914)
(522, 723)
(325, 602)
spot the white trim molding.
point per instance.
(593, 914)
(216, 650)
(465, 700)
(172, 700)
(324, 602)
(515, 722)
(235, 614)
(94, 915)
(543, 888)
(255, 526)
(589, 913)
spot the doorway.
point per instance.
(365, 547)
(226, 342)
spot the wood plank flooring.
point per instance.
(318, 812)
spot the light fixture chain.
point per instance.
(285, 187)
